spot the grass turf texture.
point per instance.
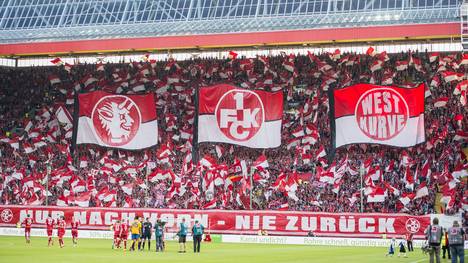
(14, 249)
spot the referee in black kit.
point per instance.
(146, 229)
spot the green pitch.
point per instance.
(14, 249)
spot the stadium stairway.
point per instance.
(464, 25)
(438, 206)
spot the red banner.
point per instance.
(233, 222)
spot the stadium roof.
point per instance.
(32, 21)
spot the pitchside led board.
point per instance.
(250, 118)
(366, 113)
(118, 121)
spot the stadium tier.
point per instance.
(41, 166)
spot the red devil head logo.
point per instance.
(116, 119)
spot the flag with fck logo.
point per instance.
(119, 121)
(250, 118)
(366, 113)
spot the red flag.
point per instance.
(232, 55)
(56, 61)
(370, 51)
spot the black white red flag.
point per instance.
(119, 121)
(366, 113)
(250, 118)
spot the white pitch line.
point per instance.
(421, 260)
(424, 259)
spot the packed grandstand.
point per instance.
(37, 166)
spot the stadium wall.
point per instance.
(245, 239)
(179, 55)
(270, 38)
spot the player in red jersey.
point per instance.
(61, 225)
(27, 223)
(117, 227)
(74, 231)
(124, 233)
(50, 222)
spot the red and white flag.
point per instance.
(433, 56)
(54, 80)
(325, 176)
(377, 195)
(391, 189)
(119, 121)
(62, 201)
(284, 207)
(441, 102)
(261, 162)
(401, 65)
(127, 188)
(459, 136)
(63, 116)
(208, 161)
(375, 173)
(82, 200)
(219, 151)
(406, 198)
(408, 178)
(422, 191)
(451, 76)
(244, 117)
(210, 205)
(426, 169)
(366, 113)
(320, 152)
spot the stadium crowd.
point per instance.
(38, 164)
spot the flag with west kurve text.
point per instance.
(389, 115)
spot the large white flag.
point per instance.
(249, 118)
(120, 121)
(366, 113)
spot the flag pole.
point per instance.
(195, 154)
(331, 112)
(47, 184)
(251, 186)
(146, 183)
(76, 116)
(361, 174)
